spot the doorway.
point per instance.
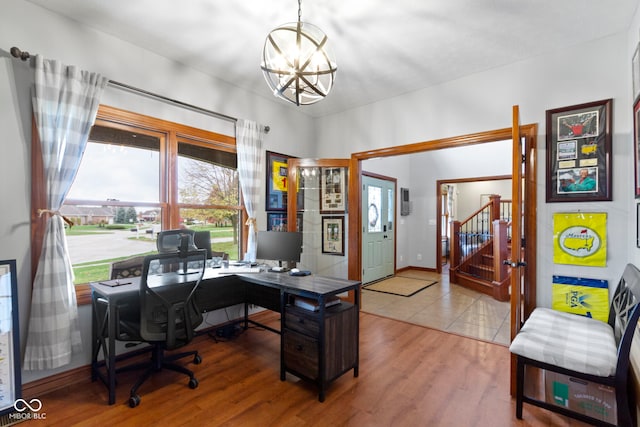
(378, 230)
(525, 152)
(459, 198)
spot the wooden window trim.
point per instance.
(116, 117)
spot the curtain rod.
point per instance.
(24, 56)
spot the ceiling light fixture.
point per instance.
(297, 63)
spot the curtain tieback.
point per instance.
(52, 213)
(252, 221)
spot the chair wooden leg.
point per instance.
(519, 387)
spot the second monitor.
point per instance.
(279, 246)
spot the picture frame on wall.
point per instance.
(333, 190)
(638, 225)
(579, 153)
(636, 147)
(333, 235)
(277, 174)
(277, 221)
(635, 73)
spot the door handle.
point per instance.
(514, 264)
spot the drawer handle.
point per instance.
(299, 347)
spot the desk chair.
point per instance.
(168, 313)
(127, 268)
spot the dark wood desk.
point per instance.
(318, 346)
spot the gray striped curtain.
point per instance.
(65, 104)
(249, 148)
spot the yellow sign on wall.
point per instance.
(279, 175)
(586, 297)
(580, 239)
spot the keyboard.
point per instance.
(238, 270)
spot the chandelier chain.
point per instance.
(299, 10)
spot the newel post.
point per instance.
(454, 251)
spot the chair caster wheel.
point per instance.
(197, 359)
(193, 383)
(134, 401)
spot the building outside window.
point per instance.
(140, 176)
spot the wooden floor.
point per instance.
(409, 376)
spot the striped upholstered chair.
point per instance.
(585, 351)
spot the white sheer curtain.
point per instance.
(249, 148)
(65, 104)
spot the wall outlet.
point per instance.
(419, 256)
(401, 258)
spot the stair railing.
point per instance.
(472, 240)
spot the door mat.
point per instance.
(403, 286)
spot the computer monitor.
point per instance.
(202, 240)
(279, 246)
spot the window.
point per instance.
(140, 175)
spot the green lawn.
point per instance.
(99, 270)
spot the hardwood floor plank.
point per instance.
(409, 376)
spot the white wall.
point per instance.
(468, 195)
(483, 102)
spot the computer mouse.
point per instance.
(295, 270)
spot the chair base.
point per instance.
(624, 416)
(159, 362)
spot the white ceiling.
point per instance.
(383, 48)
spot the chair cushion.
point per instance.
(568, 340)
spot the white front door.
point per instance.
(378, 228)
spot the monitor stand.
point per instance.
(279, 268)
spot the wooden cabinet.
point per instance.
(320, 345)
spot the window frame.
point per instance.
(172, 134)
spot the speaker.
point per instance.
(405, 205)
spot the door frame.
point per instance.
(439, 183)
(394, 181)
(528, 132)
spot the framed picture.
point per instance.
(579, 153)
(636, 147)
(10, 379)
(277, 221)
(333, 196)
(635, 73)
(277, 175)
(638, 225)
(333, 235)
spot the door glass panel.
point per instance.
(374, 206)
(321, 216)
(390, 208)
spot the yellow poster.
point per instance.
(580, 239)
(279, 175)
(586, 297)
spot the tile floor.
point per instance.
(444, 306)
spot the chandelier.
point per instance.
(297, 63)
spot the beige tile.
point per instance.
(444, 306)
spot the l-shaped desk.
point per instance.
(318, 346)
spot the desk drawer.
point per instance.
(301, 354)
(302, 321)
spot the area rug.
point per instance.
(403, 286)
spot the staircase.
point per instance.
(478, 246)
